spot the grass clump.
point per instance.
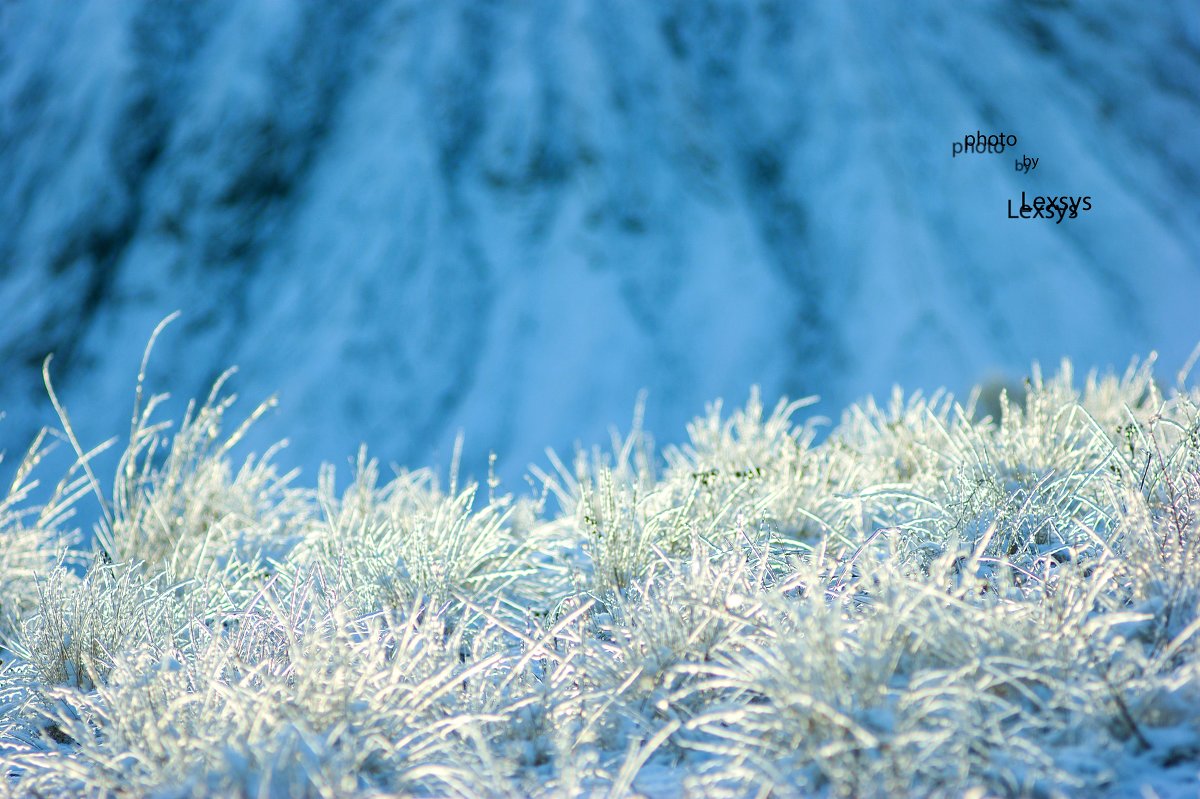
(926, 602)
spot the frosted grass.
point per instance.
(923, 603)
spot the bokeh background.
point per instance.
(408, 219)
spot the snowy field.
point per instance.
(414, 218)
(927, 602)
(456, 228)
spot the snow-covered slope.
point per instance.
(408, 218)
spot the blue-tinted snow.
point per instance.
(411, 218)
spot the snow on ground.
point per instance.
(409, 220)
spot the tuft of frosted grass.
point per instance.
(33, 536)
(924, 603)
(387, 544)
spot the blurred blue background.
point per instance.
(413, 218)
